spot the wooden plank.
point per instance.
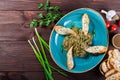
(18, 56)
(19, 4)
(33, 76)
(97, 5)
(13, 54)
(14, 25)
(9, 32)
(25, 75)
(17, 32)
(11, 17)
(64, 4)
(22, 4)
(17, 17)
(93, 75)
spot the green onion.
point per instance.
(40, 6)
(44, 55)
(41, 56)
(40, 59)
(59, 71)
(40, 39)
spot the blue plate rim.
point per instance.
(106, 46)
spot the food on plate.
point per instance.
(64, 31)
(70, 62)
(85, 23)
(112, 72)
(77, 42)
(96, 49)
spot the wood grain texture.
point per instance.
(20, 5)
(15, 53)
(90, 75)
(18, 56)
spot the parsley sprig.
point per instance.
(53, 15)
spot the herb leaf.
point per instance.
(53, 14)
(40, 6)
(41, 15)
(34, 23)
(51, 8)
(46, 6)
(49, 15)
(72, 25)
(48, 22)
(41, 23)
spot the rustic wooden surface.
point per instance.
(16, 56)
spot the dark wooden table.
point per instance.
(16, 57)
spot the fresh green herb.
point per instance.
(59, 71)
(46, 6)
(40, 6)
(34, 23)
(74, 53)
(51, 8)
(61, 48)
(53, 15)
(87, 40)
(40, 59)
(43, 51)
(48, 22)
(41, 56)
(54, 8)
(41, 23)
(77, 30)
(93, 33)
(41, 15)
(69, 36)
(72, 25)
(81, 50)
(72, 43)
(81, 37)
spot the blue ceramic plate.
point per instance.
(97, 24)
